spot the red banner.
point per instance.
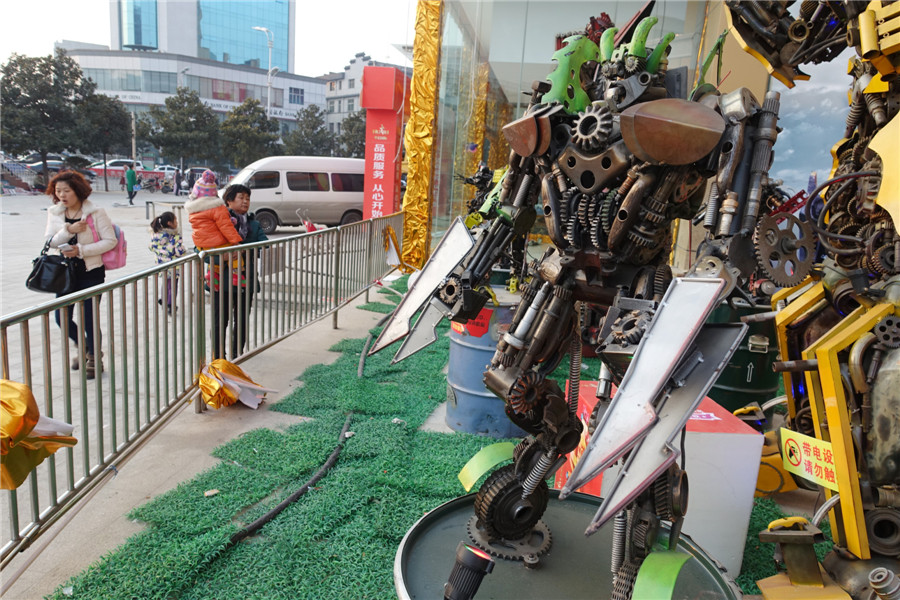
(385, 97)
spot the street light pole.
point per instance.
(180, 82)
(270, 40)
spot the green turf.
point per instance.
(339, 539)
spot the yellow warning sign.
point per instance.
(808, 457)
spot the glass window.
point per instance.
(338, 128)
(351, 84)
(262, 180)
(307, 182)
(331, 106)
(350, 105)
(339, 84)
(347, 182)
(331, 127)
(295, 95)
(227, 27)
(138, 24)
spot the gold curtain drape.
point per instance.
(419, 138)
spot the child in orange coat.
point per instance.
(210, 220)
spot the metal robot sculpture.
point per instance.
(611, 162)
(838, 331)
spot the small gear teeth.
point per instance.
(592, 127)
(573, 231)
(883, 260)
(598, 237)
(887, 330)
(784, 255)
(625, 579)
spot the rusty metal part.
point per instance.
(785, 250)
(624, 580)
(764, 138)
(592, 127)
(883, 439)
(795, 547)
(728, 210)
(671, 131)
(888, 331)
(795, 366)
(629, 212)
(593, 173)
(502, 513)
(855, 362)
(535, 544)
(523, 397)
(670, 492)
(531, 134)
(883, 528)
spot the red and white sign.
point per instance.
(385, 97)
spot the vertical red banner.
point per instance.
(385, 97)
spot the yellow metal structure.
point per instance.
(779, 587)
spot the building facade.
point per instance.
(226, 32)
(343, 90)
(144, 79)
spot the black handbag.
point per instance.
(51, 273)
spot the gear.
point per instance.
(537, 543)
(785, 251)
(451, 290)
(584, 209)
(625, 578)
(598, 237)
(670, 494)
(592, 127)
(573, 231)
(629, 329)
(523, 397)
(884, 261)
(608, 210)
(661, 280)
(887, 331)
(502, 512)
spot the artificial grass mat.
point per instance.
(338, 540)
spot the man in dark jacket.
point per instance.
(239, 277)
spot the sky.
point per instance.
(329, 33)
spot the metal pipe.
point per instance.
(764, 139)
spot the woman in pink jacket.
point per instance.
(67, 223)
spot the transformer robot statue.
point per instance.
(612, 161)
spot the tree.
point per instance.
(352, 141)
(311, 138)
(248, 135)
(104, 127)
(39, 96)
(185, 128)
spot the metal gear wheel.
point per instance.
(592, 127)
(785, 251)
(523, 397)
(502, 512)
(450, 291)
(625, 579)
(573, 231)
(536, 543)
(630, 328)
(887, 331)
(884, 261)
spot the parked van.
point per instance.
(287, 189)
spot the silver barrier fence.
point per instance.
(154, 330)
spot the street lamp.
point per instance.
(181, 73)
(270, 73)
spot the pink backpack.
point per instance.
(115, 258)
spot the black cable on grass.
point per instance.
(253, 527)
(365, 350)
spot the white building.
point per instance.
(343, 90)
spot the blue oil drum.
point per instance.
(471, 407)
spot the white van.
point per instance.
(286, 189)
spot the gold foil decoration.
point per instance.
(478, 118)
(26, 437)
(420, 132)
(223, 383)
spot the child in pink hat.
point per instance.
(209, 217)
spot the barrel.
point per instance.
(748, 376)
(471, 407)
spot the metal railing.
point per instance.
(154, 330)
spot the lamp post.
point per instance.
(181, 73)
(270, 39)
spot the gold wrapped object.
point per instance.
(26, 437)
(419, 137)
(223, 383)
